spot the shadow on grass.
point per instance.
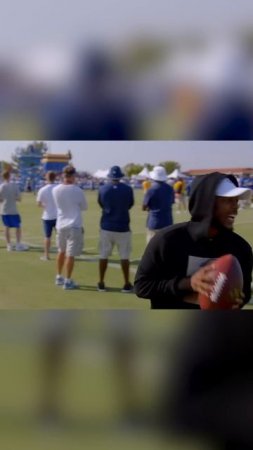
(135, 262)
(87, 253)
(35, 250)
(95, 259)
(85, 287)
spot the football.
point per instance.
(227, 285)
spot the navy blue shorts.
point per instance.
(48, 226)
(11, 220)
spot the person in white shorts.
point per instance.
(70, 202)
(115, 199)
(46, 201)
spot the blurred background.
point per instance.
(126, 70)
(77, 379)
(73, 380)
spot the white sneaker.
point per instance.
(44, 258)
(21, 247)
(9, 248)
(70, 285)
(59, 280)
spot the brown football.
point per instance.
(227, 285)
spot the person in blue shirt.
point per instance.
(116, 199)
(158, 201)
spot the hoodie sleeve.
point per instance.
(161, 270)
(246, 260)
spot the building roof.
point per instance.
(61, 157)
(227, 170)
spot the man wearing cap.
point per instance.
(70, 202)
(115, 199)
(158, 201)
(173, 269)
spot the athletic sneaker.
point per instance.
(44, 258)
(101, 287)
(128, 288)
(10, 248)
(69, 285)
(59, 280)
(21, 247)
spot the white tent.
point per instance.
(101, 173)
(143, 174)
(176, 174)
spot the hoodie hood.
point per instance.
(201, 202)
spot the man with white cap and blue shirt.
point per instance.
(158, 201)
(116, 199)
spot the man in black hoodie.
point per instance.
(173, 269)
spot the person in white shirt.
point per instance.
(9, 196)
(70, 202)
(46, 201)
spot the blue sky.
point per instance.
(91, 155)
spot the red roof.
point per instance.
(227, 170)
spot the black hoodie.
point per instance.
(178, 251)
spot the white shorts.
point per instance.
(122, 240)
(70, 241)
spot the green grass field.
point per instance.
(91, 393)
(28, 283)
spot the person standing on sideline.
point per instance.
(158, 201)
(70, 202)
(115, 199)
(9, 196)
(45, 200)
(180, 194)
(174, 270)
(146, 185)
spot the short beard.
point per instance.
(218, 226)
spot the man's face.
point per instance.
(225, 211)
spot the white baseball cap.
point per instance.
(227, 188)
(158, 174)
